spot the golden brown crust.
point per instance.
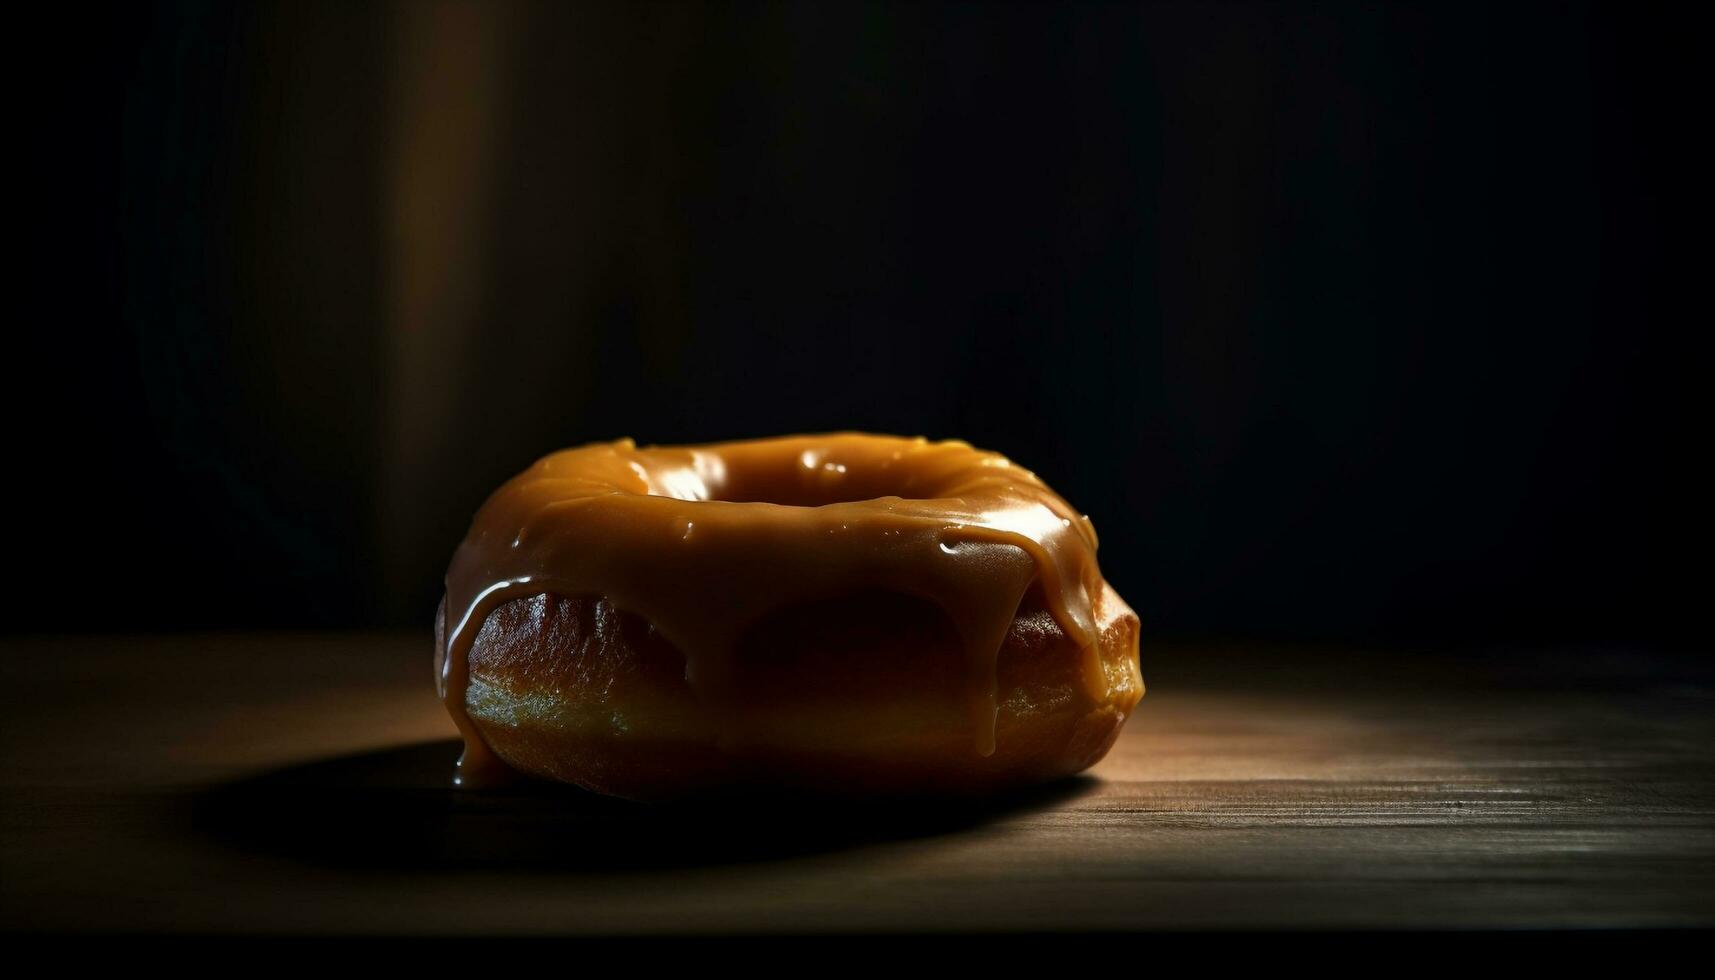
(862, 693)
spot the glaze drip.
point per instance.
(703, 541)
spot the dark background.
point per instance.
(1379, 323)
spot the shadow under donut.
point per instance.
(393, 808)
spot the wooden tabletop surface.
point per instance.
(297, 784)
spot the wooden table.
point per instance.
(296, 784)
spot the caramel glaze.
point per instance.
(702, 541)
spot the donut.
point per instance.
(844, 613)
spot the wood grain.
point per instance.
(296, 785)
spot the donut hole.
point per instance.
(790, 496)
(811, 478)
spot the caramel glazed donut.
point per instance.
(847, 613)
